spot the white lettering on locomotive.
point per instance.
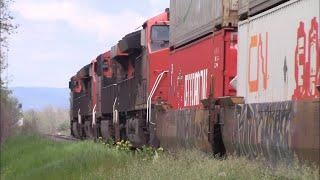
(195, 87)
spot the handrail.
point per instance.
(153, 90)
(148, 99)
(79, 117)
(83, 95)
(94, 115)
(114, 111)
(109, 86)
(118, 83)
(147, 119)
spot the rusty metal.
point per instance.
(106, 129)
(77, 130)
(258, 6)
(135, 131)
(183, 128)
(277, 131)
(88, 129)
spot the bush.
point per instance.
(10, 113)
(65, 126)
(50, 120)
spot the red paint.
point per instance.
(78, 86)
(314, 45)
(107, 72)
(186, 61)
(157, 60)
(130, 71)
(218, 64)
(264, 60)
(300, 58)
(230, 62)
(216, 54)
(225, 63)
(307, 77)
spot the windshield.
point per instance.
(159, 37)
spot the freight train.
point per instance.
(222, 76)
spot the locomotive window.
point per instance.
(76, 87)
(95, 67)
(71, 85)
(159, 37)
(86, 85)
(105, 65)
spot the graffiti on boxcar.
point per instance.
(307, 62)
(189, 126)
(264, 129)
(201, 125)
(184, 121)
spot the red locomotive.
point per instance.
(112, 97)
(207, 81)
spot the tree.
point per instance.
(9, 106)
(30, 122)
(10, 113)
(7, 27)
(50, 120)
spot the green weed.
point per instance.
(35, 157)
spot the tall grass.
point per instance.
(196, 165)
(34, 157)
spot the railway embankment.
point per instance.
(39, 157)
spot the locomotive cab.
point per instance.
(75, 89)
(120, 88)
(81, 97)
(150, 80)
(105, 78)
(139, 68)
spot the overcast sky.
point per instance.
(56, 38)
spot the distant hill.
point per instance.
(40, 97)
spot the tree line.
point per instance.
(10, 111)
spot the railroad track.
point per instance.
(61, 137)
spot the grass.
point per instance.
(196, 165)
(34, 157)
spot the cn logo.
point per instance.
(307, 62)
(195, 87)
(258, 62)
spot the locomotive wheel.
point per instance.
(71, 130)
(218, 146)
(135, 132)
(77, 130)
(88, 130)
(96, 130)
(74, 130)
(153, 139)
(105, 129)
